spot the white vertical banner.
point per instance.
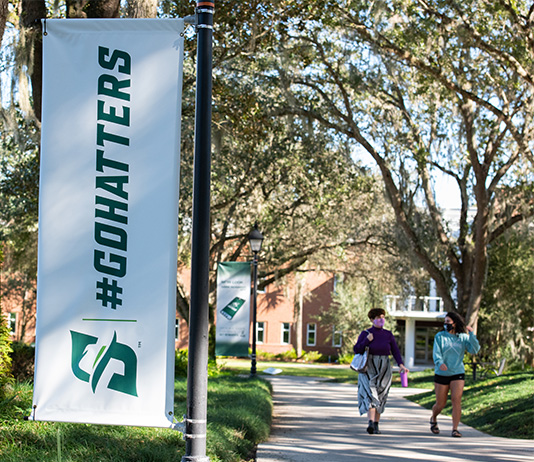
(233, 309)
(106, 291)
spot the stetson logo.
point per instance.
(124, 383)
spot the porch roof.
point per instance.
(416, 308)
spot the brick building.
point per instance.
(286, 317)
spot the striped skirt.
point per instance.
(373, 385)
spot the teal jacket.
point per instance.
(449, 349)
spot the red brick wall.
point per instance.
(18, 297)
(275, 307)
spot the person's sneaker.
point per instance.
(377, 431)
(371, 427)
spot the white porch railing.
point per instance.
(424, 304)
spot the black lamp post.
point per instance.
(255, 239)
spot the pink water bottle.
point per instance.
(404, 379)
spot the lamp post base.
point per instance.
(253, 365)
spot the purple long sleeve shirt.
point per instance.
(383, 344)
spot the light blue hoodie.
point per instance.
(449, 349)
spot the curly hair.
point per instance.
(459, 322)
(376, 312)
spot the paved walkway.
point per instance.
(318, 421)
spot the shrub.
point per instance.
(289, 355)
(214, 369)
(346, 358)
(180, 363)
(6, 377)
(312, 357)
(264, 356)
(23, 361)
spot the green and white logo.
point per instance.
(126, 383)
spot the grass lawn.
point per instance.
(333, 371)
(239, 417)
(500, 406)
(339, 373)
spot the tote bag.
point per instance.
(359, 362)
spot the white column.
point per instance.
(409, 342)
(433, 305)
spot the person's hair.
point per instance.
(458, 321)
(376, 312)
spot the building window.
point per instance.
(12, 323)
(337, 338)
(311, 334)
(177, 329)
(260, 332)
(286, 333)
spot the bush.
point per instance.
(6, 376)
(214, 370)
(289, 355)
(312, 357)
(180, 363)
(23, 361)
(264, 356)
(345, 358)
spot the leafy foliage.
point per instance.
(426, 89)
(23, 361)
(19, 190)
(6, 377)
(505, 328)
(303, 91)
(352, 300)
(351, 303)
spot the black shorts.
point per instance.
(447, 379)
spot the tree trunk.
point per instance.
(76, 9)
(182, 303)
(102, 8)
(3, 18)
(298, 306)
(142, 9)
(32, 13)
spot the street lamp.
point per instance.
(255, 238)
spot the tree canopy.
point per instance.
(303, 91)
(281, 172)
(426, 88)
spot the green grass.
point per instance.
(335, 372)
(500, 406)
(242, 366)
(239, 416)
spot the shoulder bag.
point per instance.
(359, 362)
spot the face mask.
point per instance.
(448, 327)
(379, 322)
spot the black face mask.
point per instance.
(448, 327)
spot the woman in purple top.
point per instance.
(374, 384)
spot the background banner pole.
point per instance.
(197, 373)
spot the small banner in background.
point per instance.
(233, 309)
(106, 292)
